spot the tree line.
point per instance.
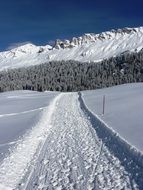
(75, 76)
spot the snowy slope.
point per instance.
(19, 112)
(123, 110)
(89, 47)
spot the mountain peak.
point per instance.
(92, 37)
(25, 48)
(86, 48)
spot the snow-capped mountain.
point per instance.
(89, 47)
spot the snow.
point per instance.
(14, 167)
(63, 151)
(56, 140)
(89, 47)
(19, 112)
(123, 110)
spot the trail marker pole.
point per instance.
(103, 105)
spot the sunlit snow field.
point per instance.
(123, 110)
(49, 140)
(19, 112)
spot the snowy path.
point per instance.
(71, 155)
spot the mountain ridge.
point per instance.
(92, 37)
(86, 48)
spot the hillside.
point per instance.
(123, 110)
(75, 76)
(87, 48)
(20, 111)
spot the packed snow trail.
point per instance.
(71, 155)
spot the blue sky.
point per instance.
(42, 21)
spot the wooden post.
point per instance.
(103, 105)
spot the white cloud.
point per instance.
(18, 44)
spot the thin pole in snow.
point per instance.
(103, 105)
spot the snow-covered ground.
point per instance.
(19, 112)
(89, 47)
(123, 110)
(60, 147)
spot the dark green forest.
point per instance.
(75, 76)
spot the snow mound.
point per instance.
(123, 110)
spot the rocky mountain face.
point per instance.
(86, 48)
(92, 38)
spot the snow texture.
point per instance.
(15, 166)
(19, 112)
(65, 150)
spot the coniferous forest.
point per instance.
(74, 75)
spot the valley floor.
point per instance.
(63, 151)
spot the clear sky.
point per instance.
(42, 21)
